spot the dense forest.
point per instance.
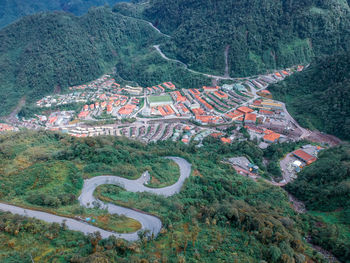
(218, 215)
(325, 189)
(261, 35)
(11, 10)
(319, 97)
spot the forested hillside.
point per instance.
(260, 34)
(325, 189)
(11, 10)
(49, 51)
(319, 97)
(218, 215)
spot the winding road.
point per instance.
(149, 222)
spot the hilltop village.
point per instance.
(241, 110)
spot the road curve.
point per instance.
(148, 222)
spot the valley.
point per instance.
(175, 131)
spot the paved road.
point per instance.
(148, 222)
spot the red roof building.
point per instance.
(304, 156)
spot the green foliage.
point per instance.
(261, 34)
(11, 10)
(319, 96)
(325, 185)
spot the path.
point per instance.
(87, 199)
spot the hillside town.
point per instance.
(238, 111)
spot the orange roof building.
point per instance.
(245, 109)
(250, 118)
(272, 137)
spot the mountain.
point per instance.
(319, 97)
(11, 10)
(259, 35)
(48, 51)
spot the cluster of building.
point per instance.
(161, 88)
(6, 128)
(246, 103)
(154, 132)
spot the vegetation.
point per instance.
(260, 34)
(319, 96)
(325, 188)
(217, 215)
(11, 10)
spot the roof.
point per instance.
(216, 134)
(127, 109)
(266, 112)
(226, 140)
(304, 156)
(265, 91)
(272, 137)
(245, 109)
(250, 117)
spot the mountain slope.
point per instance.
(42, 52)
(319, 97)
(260, 34)
(11, 10)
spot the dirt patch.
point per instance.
(320, 137)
